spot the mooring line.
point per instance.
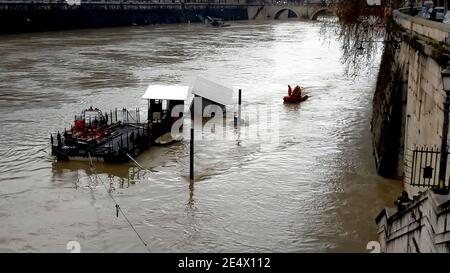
(137, 164)
(118, 208)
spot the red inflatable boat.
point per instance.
(292, 99)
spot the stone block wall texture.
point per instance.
(422, 227)
(408, 100)
(408, 114)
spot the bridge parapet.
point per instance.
(433, 30)
(302, 9)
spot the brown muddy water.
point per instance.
(315, 189)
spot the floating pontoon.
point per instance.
(116, 136)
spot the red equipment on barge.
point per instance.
(91, 126)
(94, 134)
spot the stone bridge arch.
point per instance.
(273, 11)
(278, 12)
(315, 14)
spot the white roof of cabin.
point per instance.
(166, 92)
(212, 91)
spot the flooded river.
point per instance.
(315, 189)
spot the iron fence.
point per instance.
(425, 166)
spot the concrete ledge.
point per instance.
(421, 227)
(393, 214)
(442, 203)
(386, 212)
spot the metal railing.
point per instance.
(124, 115)
(134, 136)
(424, 165)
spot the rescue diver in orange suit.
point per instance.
(297, 92)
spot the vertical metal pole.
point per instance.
(413, 168)
(191, 162)
(191, 153)
(443, 163)
(240, 108)
(436, 158)
(420, 165)
(426, 164)
(239, 118)
(240, 97)
(148, 111)
(58, 138)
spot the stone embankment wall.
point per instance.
(46, 15)
(408, 101)
(407, 118)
